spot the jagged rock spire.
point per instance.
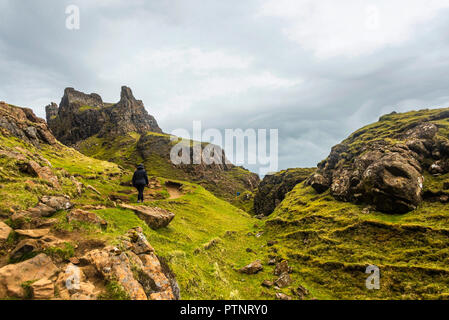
(81, 116)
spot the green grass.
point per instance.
(330, 243)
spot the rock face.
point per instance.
(86, 216)
(80, 116)
(14, 275)
(155, 218)
(136, 268)
(385, 169)
(22, 123)
(252, 268)
(274, 187)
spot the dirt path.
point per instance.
(174, 192)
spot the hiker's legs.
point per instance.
(140, 190)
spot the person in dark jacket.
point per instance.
(140, 181)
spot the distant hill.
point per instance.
(380, 198)
(126, 134)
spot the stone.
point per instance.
(5, 231)
(78, 185)
(252, 268)
(120, 270)
(267, 283)
(43, 289)
(93, 189)
(86, 216)
(282, 267)
(23, 124)
(155, 218)
(284, 280)
(45, 173)
(35, 234)
(57, 202)
(139, 243)
(282, 296)
(25, 247)
(14, 275)
(300, 291)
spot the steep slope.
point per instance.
(125, 134)
(274, 187)
(61, 213)
(331, 242)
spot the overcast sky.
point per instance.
(314, 69)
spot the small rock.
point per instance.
(252, 268)
(271, 243)
(57, 202)
(283, 281)
(93, 189)
(74, 260)
(43, 289)
(282, 267)
(5, 230)
(282, 296)
(24, 247)
(267, 283)
(300, 291)
(86, 216)
(35, 234)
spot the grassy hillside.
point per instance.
(204, 245)
(330, 243)
(128, 150)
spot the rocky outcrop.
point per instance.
(135, 267)
(80, 116)
(13, 276)
(86, 216)
(47, 206)
(155, 218)
(274, 187)
(389, 172)
(23, 124)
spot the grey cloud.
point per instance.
(39, 58)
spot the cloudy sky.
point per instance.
(313, 69)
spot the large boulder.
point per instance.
(389, 172)
(14, 275)
(154, 217)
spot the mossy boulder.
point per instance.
(384, 164)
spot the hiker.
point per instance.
(140, 181)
